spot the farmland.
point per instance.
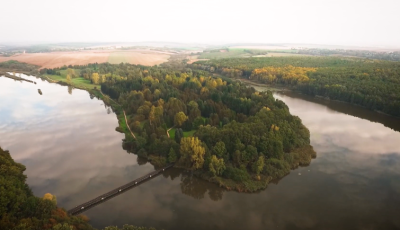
(58, 59)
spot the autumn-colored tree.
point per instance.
(217, 166)
(152, 115)
(69, 79)
(49, 196)
(179, 119)
(95, 78)
(71, 72)
(192, 153)
(173, 106)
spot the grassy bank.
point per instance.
(77, 82)
(185, 134)
(123, 126)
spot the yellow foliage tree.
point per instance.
(192, 153)
(49, 196)
(287, 74)
(71, 72)
(69, 79)
(217, 166)
(95, 78)
(179, 119)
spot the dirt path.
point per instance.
(126, 121)
(169, 130)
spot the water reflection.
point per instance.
(197, 188)
(71, 149)
(68, 142)
(70, 88)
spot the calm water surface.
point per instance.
(71, 149)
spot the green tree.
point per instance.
(258, 166)
(178, 135)
(172, 155)
(197, 122)
(64, 226)
(219, 149)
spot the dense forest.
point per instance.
(390, 56)
(222, 131)
(21, 210)
(374, 84)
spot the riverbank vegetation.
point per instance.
(374, 84)
(21, 210)
(14, 66)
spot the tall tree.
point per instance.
(95, 78)
(192, 153)
(179, 119)
(217, 166)
(71, 72)
(69, 79)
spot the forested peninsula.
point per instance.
(222, 131)
(373, 84)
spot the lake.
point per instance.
(67, 141)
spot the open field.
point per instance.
(77, 82)
(58, 59)
(138, 57)
(185, 134)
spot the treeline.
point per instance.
(390, 56)
(21, 210)
(373, 84)
(173, 113)
(11, 66)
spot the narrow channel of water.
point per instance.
(69, 145)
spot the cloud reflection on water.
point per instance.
(71, 149)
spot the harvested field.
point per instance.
(58, 59)
(138, 57)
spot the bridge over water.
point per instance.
(113, 193)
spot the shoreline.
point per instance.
(253, 184)
(284, 90)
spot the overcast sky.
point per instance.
(336, 22)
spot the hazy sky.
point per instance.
(350, 22)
